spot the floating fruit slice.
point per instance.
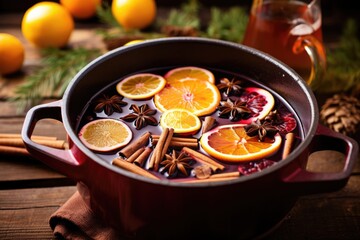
(288, 123)
(181, 120)
(105, 135)
(199, 97)
(133, 42)
(259, 101)
(231, 143)
(141, 86)
(189, 72)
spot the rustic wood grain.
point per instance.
(22, 172)
(24, 213)
(329, 161)
(30, 191)
(25, 172)
(324, 216)
(45, 127)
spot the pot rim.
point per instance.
(146, 43)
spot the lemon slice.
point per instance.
(105, 135)
(231, 143)
(189, 72)
(133, 42)
(141, 86)
(181, 120)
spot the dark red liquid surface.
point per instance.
(89, 114)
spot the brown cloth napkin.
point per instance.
(75, 221)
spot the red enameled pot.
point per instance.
(143, 208)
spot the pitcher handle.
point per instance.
(316, 53)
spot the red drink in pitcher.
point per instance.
(275, 26)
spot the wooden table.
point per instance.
(30, 192)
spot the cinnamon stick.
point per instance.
(33, 137)
(210, 179)
(133, 168)
(204, 159)
(208, 124)
(135, 145)
(14, 151)
(143, 156)
(225, 175)
(155, 157)
(166, 145)
(18, 142)
(135, 155)
(289, 139)
(180, 144)
(179, 139)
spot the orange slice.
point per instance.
(199, 97)
(260, 102)
(141, 86)
(231, 143)
(181, 120)
(104, 135)
(189, 72)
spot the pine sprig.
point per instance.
(228, 24)
(50, 80)
(186, 16)
(103, 12)
(343, 62)
(105, 16)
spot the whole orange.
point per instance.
(134, 14)
(81, 9)
(11, 54)
(47, 24)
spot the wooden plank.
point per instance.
(324, 216)
(45, 127)
(24, 214)
(22, 168)
(329, 161)
(7, 109)
(35, 197)
(22, 172)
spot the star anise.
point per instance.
(141, 116)
(234, 110)
(274, 118)
(262, 129)
(284, 122)
(175, 163)
(109, 104)
(230, 87)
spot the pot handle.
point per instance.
(306, 182)
(60, 160)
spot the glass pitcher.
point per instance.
(289, 30)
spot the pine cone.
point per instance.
(341, 113)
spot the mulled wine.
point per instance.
(189, 157)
